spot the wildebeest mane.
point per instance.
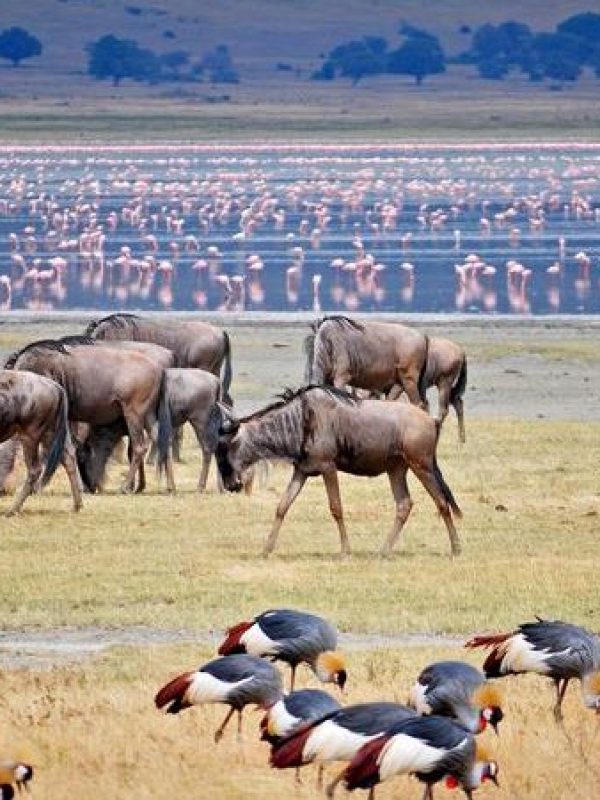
(340, 319)
(121, 320)
(288, 395)
(54, 345)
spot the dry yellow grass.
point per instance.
(93, 732)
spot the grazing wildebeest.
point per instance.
(447, 369)
(195, 344)
(192, 396)
(34, 410)
(106, 385)
(322, 430)
(378, 356)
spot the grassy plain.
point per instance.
(189, 566)
(93, 732)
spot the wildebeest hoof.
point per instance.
(126, 489)
(385, 553)
(345, 555)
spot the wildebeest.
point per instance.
(105, 385)
(377, 356)
(447, 370)
(192, 396)
(195, 344)
(34, 409)
(322, 430)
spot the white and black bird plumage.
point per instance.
(13, 773)
(431, 748)
(236, 681)
(458, 690)
(559, 650)
(294, 637)
(293, 710)
(337, 736)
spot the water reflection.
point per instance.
(358, 229)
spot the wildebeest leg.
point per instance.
(206, 455)
(428, 480)
(443, 400)
(410, 384)
(395, 392)
(335, 506)
(459, 408)
(139, 448)
(291, 493)
(177, 444)
(69, 462)
(403, 507)
(31, 455)
(141, 478)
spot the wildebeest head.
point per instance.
(227, 453)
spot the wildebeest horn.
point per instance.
(228, 423)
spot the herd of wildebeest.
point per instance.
(362, 409)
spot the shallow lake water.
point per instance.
(351, 229)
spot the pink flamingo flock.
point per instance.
(484, 231)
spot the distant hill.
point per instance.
(260, 34)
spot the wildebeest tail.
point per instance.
(213, 426)
(165, 425)
(461, 382)
(442, 485)
(363, 771)
(57, 446)
(309, 351)
(422, 383)
(227, 371)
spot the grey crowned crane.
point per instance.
(294, 637)
(236, 681)
(457, 690)
(431, 748)
(13, 773)
(556, 649)
(294, 709)
(337, 736)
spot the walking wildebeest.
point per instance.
(378, 356)
(322, 430)
(447, 369)
(105, 385)
(192, 396)
(34, 410)
(195, 344)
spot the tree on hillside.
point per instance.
(496, 49)
(355, 59)
(585, 26)
(559, 56)
(114, 58)
(419, 56)
(17, 44)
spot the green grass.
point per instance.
(531, 504)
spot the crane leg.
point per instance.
(220, 730)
